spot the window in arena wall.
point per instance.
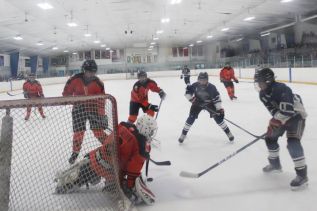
(185, 51)
(97, 54)
(174, 52)
(81, 56)
(87, 55)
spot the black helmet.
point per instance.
(89, 65)
(203, 75)
(141, 73)
(32, 75)
(264, 75)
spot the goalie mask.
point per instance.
(146, 125)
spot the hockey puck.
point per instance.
(150, 179)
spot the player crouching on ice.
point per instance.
(133, 150)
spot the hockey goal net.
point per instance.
(33, 152)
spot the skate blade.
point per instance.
(300, 188)
(275, 171)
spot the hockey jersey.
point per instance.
(139, 93)
(282, 103)
(204, 95)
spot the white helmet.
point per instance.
(146, 125)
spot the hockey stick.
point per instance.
(159, 108)
(14, 94)
(215, 113)
(197, 175)
(161, 163)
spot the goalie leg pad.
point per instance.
(144, 192)
(68, 179)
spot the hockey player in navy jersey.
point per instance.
(204, 96)
(288, 115)
(186, 75)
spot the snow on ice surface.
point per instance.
(238, 183)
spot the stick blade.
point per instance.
(188, 174)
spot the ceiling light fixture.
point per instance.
(159, 31)
(74, 53)
(225, 29)
(18, 37)
(265, 34)
(103, 45)
(175, 2)
(65, 51)
(209, 36)
(155, 38)
(71, 23)
(55, 48)
(45, 6)
(199, 41)
(286, 1)
(191, 45)
(249, 18)
(165, 20)
(39, 43)
(87, 35)
(152, 43)
(238, 40)
(96, 41)
(107, 49)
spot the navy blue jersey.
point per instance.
(186, 71)
(204, 94)
(281, 102)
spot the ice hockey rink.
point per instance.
(238, 183)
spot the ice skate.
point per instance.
(274, 166)
(181, 138)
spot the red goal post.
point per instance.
(32, 152)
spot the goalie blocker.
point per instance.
(133, 150)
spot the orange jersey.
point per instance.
(227, 74)
(79, 86)
(132, 152)
(139, 93)
(33, 89)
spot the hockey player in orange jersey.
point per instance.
(32, 89)
(139, 96)
(226, 77)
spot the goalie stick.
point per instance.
(197, 175)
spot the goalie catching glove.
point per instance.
(139, 193)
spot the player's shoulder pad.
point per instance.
(74, 77)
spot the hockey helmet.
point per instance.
(264, 75)
(203, 76)
(90, 66)
(263, 79)
(141, 73)
(146, 125)
(31, 76)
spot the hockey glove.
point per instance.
(221, 113)
(274, 130)
(162, 94)
(153, 107)
(26, 95)
(236, 81)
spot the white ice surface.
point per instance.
(238, 184)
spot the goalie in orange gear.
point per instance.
(139, 96)
(226, 77)
(133, 150)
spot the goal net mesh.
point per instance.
(41, 148)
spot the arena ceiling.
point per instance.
(134, 23)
